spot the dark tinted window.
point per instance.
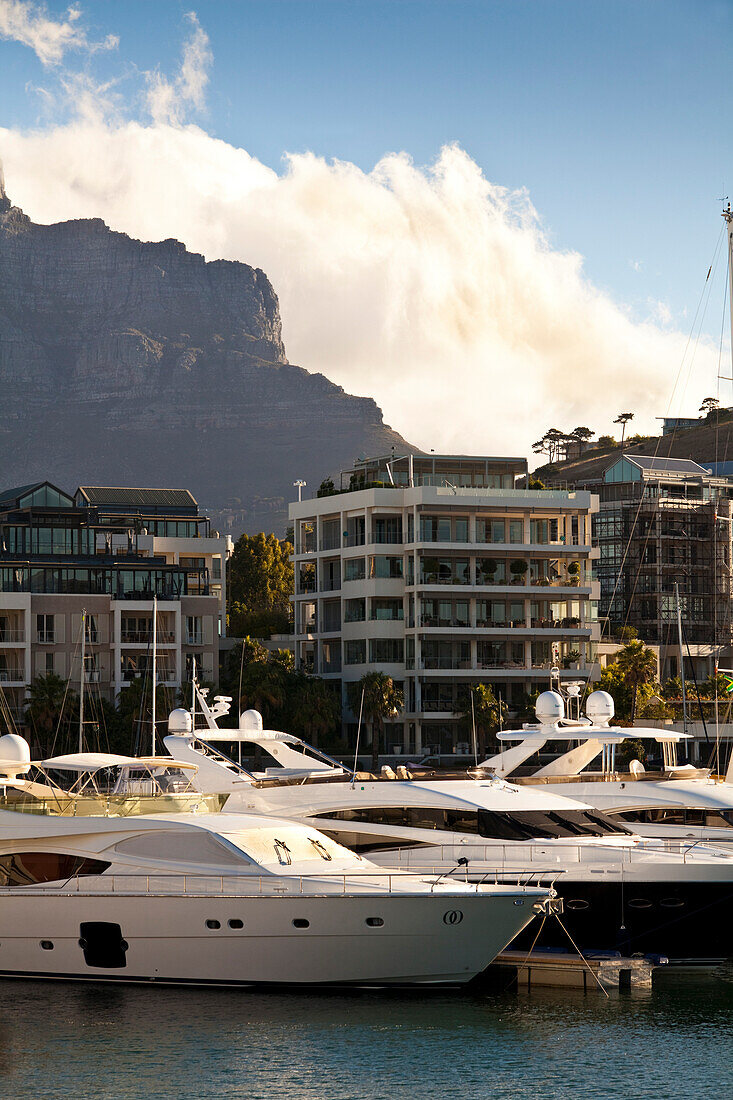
(527, 825)
(28, 868)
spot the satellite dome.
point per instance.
(251, 721)
(600, 708)
(15, 755)
(179, 721)
(549, 707)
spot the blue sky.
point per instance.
(613, 115)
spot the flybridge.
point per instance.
(594, 734)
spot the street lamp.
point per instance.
(299, 485)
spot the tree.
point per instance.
(606, 441)
(326, 488)
(488, 712)
(582, 435)
(638, 666)
(623, 419)
(382, 700)
(260, 585)
(313, 708)
(48, 696)
(709, 405)
(550, 444)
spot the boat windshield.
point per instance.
(517, 825)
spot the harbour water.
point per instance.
(122, 1042)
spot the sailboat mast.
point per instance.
(81, 678)
(728, 215)
(155, 661)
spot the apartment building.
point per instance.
(438, 571)
(107, 552)
(663, 529)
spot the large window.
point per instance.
(387, 529)
(490, 530)
(444, 528)
(354, 569)
(385, 568)
(355, 652)
(389, 610)
(386, 651)
(29, 868)
(354, 611)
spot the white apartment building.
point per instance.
(435, 570)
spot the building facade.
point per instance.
(439, 572)
(663, 528)
(106, 552)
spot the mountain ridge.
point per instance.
(124, 361)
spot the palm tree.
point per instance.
(46, 700)
(382, 700)
(623, 419)
(638, 666)
(488, 713)
(313, 710)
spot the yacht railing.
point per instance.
(203, 886)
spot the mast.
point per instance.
(728, 215)
(682, 658)
(155, 660)
(81, 679)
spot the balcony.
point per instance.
(46, 637)
(9, 635)
(12, 676)
(194, 639)
(145, 637)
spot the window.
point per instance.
(354, 569)
(444, 529)
(28, 868)
(216, 568)
(386, 651)
(490, 571)
(194, 633)
(355, 652)
(385, 568)
(354, 535)
(390, 610)
(387, 529)
(354, 610)
(49, 663)
(516, 530)
(45, 629)
(490, 530)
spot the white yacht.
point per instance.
(678, 801)
(234, 899)
(92, 783)
(672, 897)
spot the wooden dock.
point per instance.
(514, 970)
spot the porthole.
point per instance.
(374, 922)
(671, 903)
(640, 903)
(236, 923)
(46, 945)
(299, 922)
(576, 904)
(213, 924)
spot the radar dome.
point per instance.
(15, 755)
(251, 720)
(179, 721)
(549, 707)
(600, 708)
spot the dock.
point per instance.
(557, 969)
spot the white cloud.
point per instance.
(30, 24)
(430, 289)
(170, 100)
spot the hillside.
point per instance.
(131, 363)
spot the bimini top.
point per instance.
(94, 761)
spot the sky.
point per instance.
(492, 217)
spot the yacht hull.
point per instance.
(423, 940)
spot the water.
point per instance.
(122, 1042)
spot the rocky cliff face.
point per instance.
(129, 363)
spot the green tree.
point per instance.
(612, 680)
(260, 585)
(488, 712)
(312, 709)
(48, 698)
(623, 419)
(382, 700)
(638, 666)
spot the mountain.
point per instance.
(132, 363)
